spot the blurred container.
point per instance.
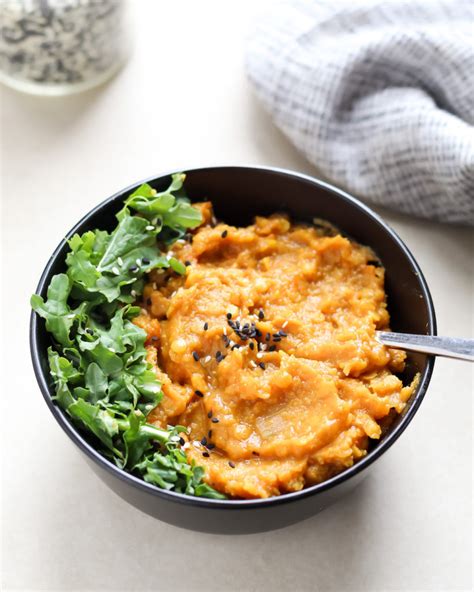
(58, 47)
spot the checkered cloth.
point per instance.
(379, 96)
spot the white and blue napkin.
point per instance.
(379, 96)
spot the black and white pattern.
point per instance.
(60, 41)
(378, 95)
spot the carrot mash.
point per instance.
(266, 351)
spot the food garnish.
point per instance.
(98, 357)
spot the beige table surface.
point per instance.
(183, 100)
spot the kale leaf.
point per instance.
(98, 359)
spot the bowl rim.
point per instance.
(231, 504)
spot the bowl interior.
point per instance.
(240, 193)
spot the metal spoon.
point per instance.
(450, 347)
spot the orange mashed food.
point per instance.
(290, 395)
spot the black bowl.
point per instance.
(238, 194)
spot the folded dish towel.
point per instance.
(379, 96)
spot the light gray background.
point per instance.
(183, 100)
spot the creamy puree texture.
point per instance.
(267, 422)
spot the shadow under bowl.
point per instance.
(238, 193)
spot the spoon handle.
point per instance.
(450, 347)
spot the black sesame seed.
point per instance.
(215, 420)
(272, 348)
(224, 234)
(204, 441)
(261, 314)
(282, 333)
(258, 333)
(255, 453)
(182, 441)
(206, 454)
(211, 446)
(196, 356)
(231, 465)
(199, 394)
(267, 337)
(133, 269)
(218, 355)
(262, 365)
(206, 326)
(148, 301)
(229, 315)
(209, 415)
(145, 261)
(154, 338)
(276, 338)
(252, 345)
(209, 434)
(236, 346)
(187, 263)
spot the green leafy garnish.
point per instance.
(98, 357)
